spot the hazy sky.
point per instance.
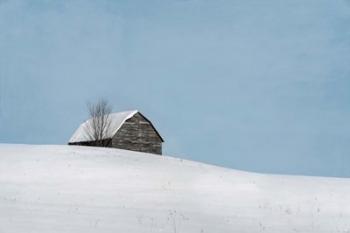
(248, 84)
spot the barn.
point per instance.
(128, 130)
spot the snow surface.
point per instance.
(81, 189)
(117, 120)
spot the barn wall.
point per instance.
(106, 143)
(137, 134)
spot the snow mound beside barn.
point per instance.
(80, 189)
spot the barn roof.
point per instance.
(117, 120)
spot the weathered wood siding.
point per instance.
(137, 134)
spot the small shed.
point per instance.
(129, 130)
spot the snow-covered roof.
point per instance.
(117, 120)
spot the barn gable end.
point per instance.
(138, 134)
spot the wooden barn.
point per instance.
(127, 130)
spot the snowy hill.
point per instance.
(80, 189)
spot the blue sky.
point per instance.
(254, 85)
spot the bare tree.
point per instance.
(97, 128)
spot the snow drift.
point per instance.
(81, 189)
